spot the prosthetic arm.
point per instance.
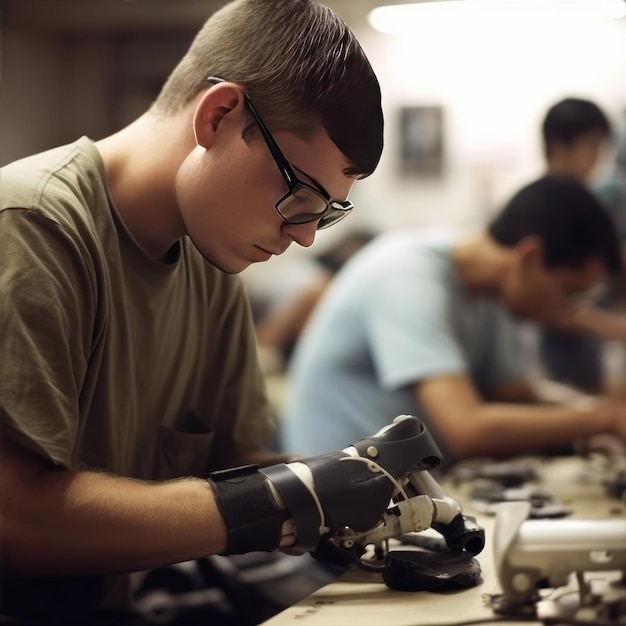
(376, 489)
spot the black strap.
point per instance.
(253, 518)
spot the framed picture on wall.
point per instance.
(422, 140)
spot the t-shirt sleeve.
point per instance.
(46, 304)
(410, 330)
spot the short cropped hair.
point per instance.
(301, 66)
(567, 217)
(570, 118)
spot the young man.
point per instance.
(128, 350)
(424, 323)
(574, 132)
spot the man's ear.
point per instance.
(221, 102)
(529, 251)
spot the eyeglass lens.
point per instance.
(303, 204)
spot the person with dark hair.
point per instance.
(607, 323)
(427, 322)
(574, 132)
(129, 364)
(564, 216)
(611, 189)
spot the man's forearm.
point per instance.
(552, 392)
(472, 427)
(64, 522)
(507, 429)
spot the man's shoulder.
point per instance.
(57, 174)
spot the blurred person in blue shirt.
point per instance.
(426, 323)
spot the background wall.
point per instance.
(494, 78)
(71, 67)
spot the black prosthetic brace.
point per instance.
(351, 488)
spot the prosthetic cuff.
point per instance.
(352, 487)
(253, 518)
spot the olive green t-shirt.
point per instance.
(111, 360)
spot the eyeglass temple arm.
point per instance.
(279, 157)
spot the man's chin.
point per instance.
(230, 269)
(227, 268)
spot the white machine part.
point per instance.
(531, 554)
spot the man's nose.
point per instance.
(302, 234)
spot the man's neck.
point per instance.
(481, 264)
(142, 161)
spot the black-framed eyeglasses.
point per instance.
(304, 202)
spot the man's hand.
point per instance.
(604, 324)
(324, 494)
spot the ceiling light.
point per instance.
(403, 17)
